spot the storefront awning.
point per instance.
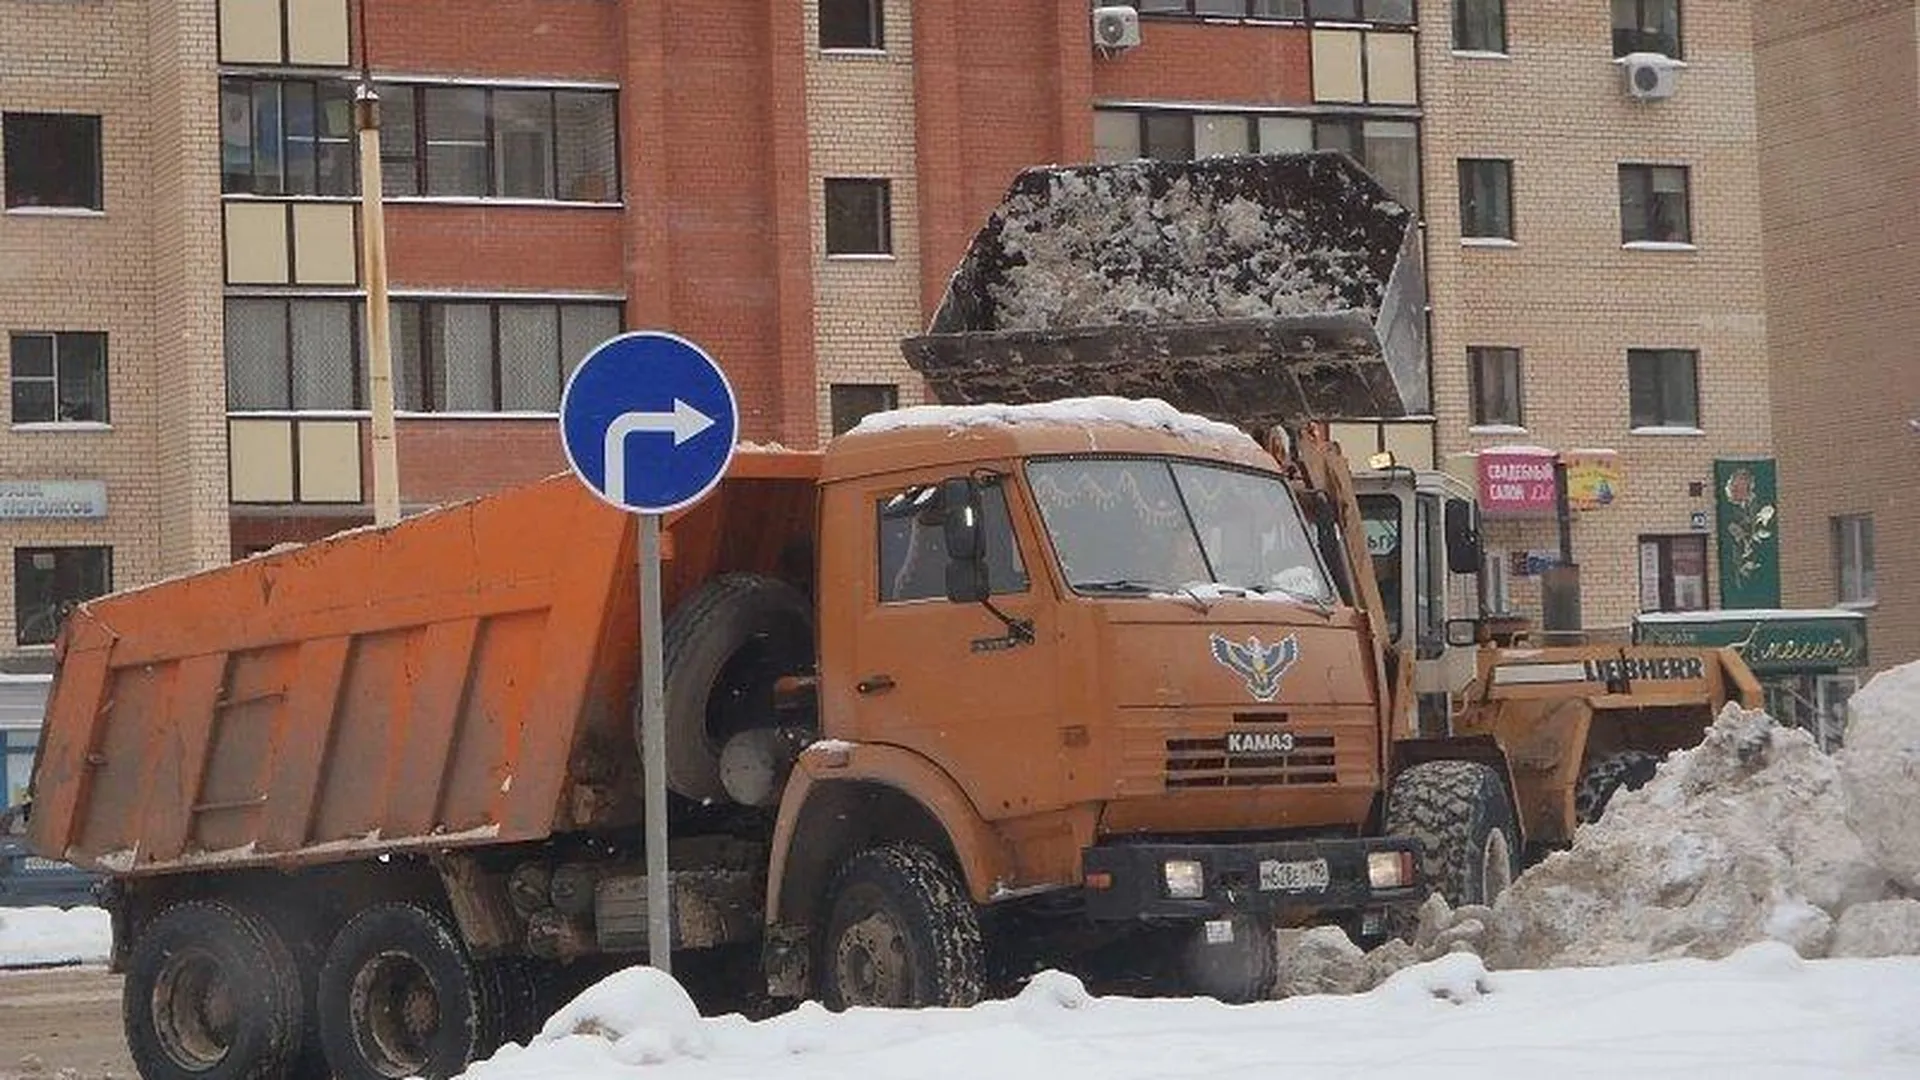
(1773, 642)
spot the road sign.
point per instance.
(649, 421)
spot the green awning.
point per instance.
(1813, 642)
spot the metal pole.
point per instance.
(373, 268)
(653, 749)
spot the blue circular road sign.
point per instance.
(649, 421)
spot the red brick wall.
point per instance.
(1242, 65)
(504, 247)
(447, 460)
(562, 39)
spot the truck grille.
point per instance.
(1204, 763)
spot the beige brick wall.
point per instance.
(860, 119)
(1568, 295)
(98, 273)
(1839, 96)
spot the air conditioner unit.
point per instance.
(1116, 27)
(1650, 76)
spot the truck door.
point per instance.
(952, 681)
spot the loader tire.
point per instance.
(1606, 777)
(724, 648)
(1459, 812)
(901, 933)
(399, 996)
(211, 993)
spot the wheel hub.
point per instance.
(396, 1014)
(871, 963)
(193, 1014)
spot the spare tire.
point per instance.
(725, 646)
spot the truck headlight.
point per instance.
(1390, 869)
(1186, 879)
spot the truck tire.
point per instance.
(400, 997)
(1459, 812)
(211, 993)
(1607, 777)
(901, 932)
(724, 647)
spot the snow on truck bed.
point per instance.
(1150, 414)
(1750, 912)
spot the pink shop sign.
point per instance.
(1516, 482)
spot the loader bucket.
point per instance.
(1257, 290)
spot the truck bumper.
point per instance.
(1298, 877)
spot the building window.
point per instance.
(852, 24)
(294, 354)
(851, 401)
(1394, 12)
(859, 217)
(1480, 25)
(53, 159)
(1486, 199)
(1389, 149)
(485, 356)
(48, 582)
(1653, 205)
(1853, 558)
(482, 142)
(59, 378)
(287, 137)
(913, 546)
(1495, 375)
(1651, 26)
(1673, 573)
(1663, 388)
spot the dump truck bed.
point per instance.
(465, 676)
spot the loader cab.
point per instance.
(1423, 535)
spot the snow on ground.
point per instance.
(1764, 1012)
(46, 935)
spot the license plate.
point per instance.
(35, 864)
(1307, 876)
(1219, 931)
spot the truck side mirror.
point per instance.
(966, 548)
(1463, 538)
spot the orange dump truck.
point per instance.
(971, 689)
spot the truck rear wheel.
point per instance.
(1607, 777)
(211, 993)
(724, 647)
(1459, 812)
(399, 997)
(901, 933)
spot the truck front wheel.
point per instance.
(212, 994)
(901, 932)
(1459, 812)
(400, 997)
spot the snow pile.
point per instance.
(46, 935)
(1880, 771)
(1763, 1011)
(1150, 414)
(1119, 245)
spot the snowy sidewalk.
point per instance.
(40, 936)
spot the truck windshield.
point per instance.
(1140, 525)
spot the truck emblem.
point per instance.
(1261, 665)
(1259, 743)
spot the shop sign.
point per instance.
(1745, 503)
(1595, 478)
(1771, 645)
(24, 499)
(1516, 482)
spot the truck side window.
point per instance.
(913, 550)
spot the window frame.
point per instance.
(876, 37)
(1477, 355)
(1637, 179)
(1639, 31)
(1460, 20)
(21, 557)
(55, 339)
(1473, 229)
(356, 345)
(886, 579)
(411, 160)
(1852, 534)
(95, 185)
(429, 379)
(883, 187)
(1354, 125)
(1666, 584)
(1190, 9)
(316, 87)
(1664, 421)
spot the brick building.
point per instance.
(790, 184)
(1839, 99)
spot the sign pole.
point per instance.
(653, 750)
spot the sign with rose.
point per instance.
(1749, 532)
